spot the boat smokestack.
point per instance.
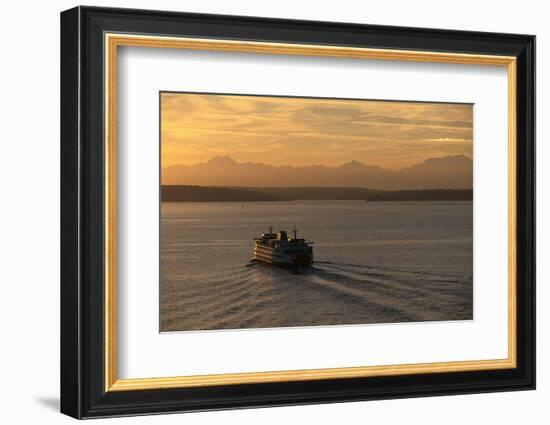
(295, 232)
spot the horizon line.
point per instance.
(322, 187)
(228, 157)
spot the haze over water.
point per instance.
(377, 262)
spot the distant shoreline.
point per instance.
(189, 193)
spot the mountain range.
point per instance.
(448, 172)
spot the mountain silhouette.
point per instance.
(222, 161)
(449, 172)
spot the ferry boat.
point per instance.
(278, 250)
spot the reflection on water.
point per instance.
(374, 263)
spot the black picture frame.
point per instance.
(83, 392)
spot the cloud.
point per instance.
(449, 139)
(297, 130)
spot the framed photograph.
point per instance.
(261, 212)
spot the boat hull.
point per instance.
(271, 256)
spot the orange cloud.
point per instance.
(302, 131)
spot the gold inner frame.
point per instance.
(113, 41)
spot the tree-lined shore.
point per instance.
(193, 193)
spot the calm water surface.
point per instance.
(378, 262)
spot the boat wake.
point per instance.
(257, 295)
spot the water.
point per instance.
(379, 262)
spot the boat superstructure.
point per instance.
(280, 250)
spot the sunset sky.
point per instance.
(305, 131)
